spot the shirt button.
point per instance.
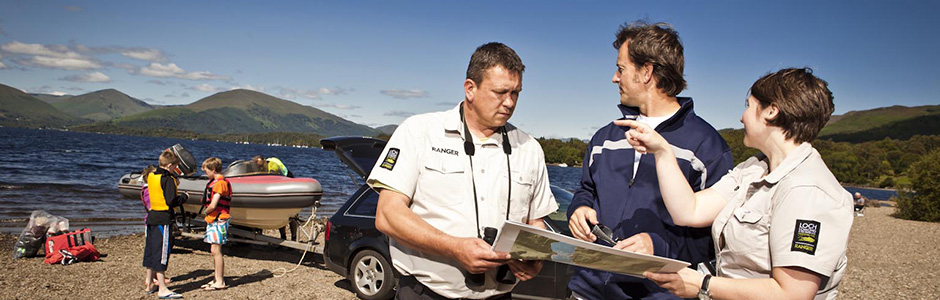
(482, 170)
(482, 198)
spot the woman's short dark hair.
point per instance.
(803, 100)
(659, 45)
(490, 55)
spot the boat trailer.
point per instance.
(194, 228)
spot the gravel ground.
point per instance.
(888, 259)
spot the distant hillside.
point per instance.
(20, 109)
(387, 129)
(102, 105)
(48, 98)
(857, 122)
(244, 111)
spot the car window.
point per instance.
(366, 205)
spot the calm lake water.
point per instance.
(75, 175)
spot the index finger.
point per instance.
(630, 123)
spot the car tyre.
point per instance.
(371, 276)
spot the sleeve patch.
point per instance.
(390, 158)
(805, 236)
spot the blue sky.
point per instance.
(377, 62)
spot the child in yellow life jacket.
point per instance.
(216, 198)
(161, 185)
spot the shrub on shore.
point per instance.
(922, 201)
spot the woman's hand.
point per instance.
(643, 138)
(685, 284)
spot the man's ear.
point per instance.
(646, 73)
(469, 89)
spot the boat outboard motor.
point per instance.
(187, 161)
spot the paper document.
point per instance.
(526, 242)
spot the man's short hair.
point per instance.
(257, 157)
(491, 55)
(213, 163)
(804, 101)
(658, 45)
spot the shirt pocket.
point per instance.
(522, 191)
(444, 181)
(749, 231)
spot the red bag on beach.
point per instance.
(71, 247)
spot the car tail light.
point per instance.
(329, 225)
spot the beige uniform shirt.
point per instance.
(796, 216)
(425, 161)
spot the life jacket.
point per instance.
(225, 200)
(158, 201)
(71, 247)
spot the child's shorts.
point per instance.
(217, 232)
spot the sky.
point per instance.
(378, 62)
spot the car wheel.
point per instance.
(371, 276)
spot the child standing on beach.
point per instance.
(161, 187)
(216, 198)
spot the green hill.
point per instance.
(244, 111)
(855, 123)
(387, 129)
(102, 105)
(49, 98)
(22, 110)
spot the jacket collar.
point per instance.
(685, 107)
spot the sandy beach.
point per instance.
(888, 259)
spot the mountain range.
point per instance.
(225, 113)
(246, 112)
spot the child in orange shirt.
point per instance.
(216, 198)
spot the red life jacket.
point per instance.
(225, 200)
(71, 247)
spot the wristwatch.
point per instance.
(703, 293)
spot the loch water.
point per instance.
(75, 175)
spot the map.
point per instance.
(526, 242)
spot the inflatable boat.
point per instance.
(259, 200)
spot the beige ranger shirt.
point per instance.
(796, 216)
(425, 160)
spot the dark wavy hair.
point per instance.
(658, 45)
(803, 100)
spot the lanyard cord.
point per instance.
(470, 149)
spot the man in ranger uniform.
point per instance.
(446, 176)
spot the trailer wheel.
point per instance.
(371, 276)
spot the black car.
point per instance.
(356, 249)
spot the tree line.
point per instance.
(884, 163)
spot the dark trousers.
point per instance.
(410, 289)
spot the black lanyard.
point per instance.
(470, 149)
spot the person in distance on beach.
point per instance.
(162, 185)
(447, 179)
(618, 184)
(781, 220)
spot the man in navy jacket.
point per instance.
(619, 187)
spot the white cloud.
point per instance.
(65, 63)
(339, 106)
(256, 88)
(398, 113)
(88, 77)
(129, 67)
(205, 87)
(73, 8)
(56, 51)
(75, 88)
(405, 94)
(172, 70)
(152, 55)
(157, 82)
(46, 90)
(332, 91)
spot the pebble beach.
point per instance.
(889, 258)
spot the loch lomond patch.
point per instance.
(390, 158)
(805, 236)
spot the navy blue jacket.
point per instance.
(631, 206)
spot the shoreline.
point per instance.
(889, 258)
